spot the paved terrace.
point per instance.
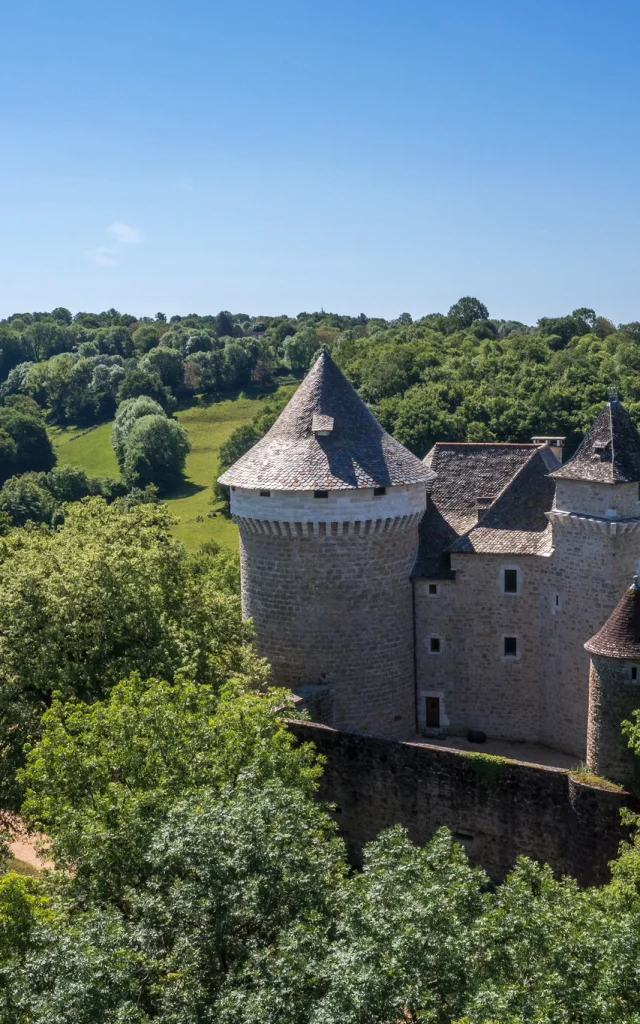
(529, 753)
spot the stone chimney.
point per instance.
(554, 442)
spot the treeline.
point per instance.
(459, 376)
(81, 367)
(196, 878)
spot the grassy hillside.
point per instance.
(208, 425)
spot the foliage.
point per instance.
(130, 410)
(104, 594)
(24, 443)
(156, 452)
(39, 497)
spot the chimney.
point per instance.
(554, 442)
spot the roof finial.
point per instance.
(613, 395)
(636, 584)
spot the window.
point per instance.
(434, 645)
(433, 712)
(265, 494)
(433, 590)
(634, 673)
(510, 581)
(510, 646)
(321, 494)
(379, 491)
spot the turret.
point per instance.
(614, 688)
(601, 479)
(328, 506)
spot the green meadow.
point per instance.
(209, 424)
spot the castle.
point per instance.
(450, 596)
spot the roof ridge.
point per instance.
(509, 484)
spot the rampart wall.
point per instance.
(497, 809)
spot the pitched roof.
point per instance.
(610, 452)
(620, 635)
(516, 523)
(464, 474)
(326, 439)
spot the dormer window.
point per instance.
(603, 451)
(321, 425)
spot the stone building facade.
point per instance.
(449, 596)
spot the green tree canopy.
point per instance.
(156, 451)
(104, 594)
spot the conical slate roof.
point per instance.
(326, 439)
(610, 453)
(620, 635)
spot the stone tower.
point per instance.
(328, 507)
(596, 547)
(614, 689)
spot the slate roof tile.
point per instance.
(357, 452)
(620, 635)
(516, 523)
(610, 452)
(464, 474)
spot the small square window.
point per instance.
(434, 645)
(510, 646)
(433, 590)
(634, 672)
(265, 494)
(379, 491)
(321, 494)
(510, 581)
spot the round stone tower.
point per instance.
(328, 507)
(614, 689)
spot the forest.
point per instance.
(460, 376)
(192, 876)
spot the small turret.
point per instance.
(614, 688)
(602, 478)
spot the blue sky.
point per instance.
(270, 156)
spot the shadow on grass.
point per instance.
(185, 489)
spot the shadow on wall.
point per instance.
(496, 807)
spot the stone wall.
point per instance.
(496, 809)
(335, 609)
(479, 687)
(592, 564)
(563, 599)
(348, 505)
(613, 697)
(597, 499)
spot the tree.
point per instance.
(145, 337)
(23, 498)
(224, 324)
(23, 424)
(130, 410)
(140, 382)
(300, 347)
(166, 363)
(465, 311)
(104, 594)
(62, 314)
(156, 452)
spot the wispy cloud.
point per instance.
(124, 233)
(103, 256)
